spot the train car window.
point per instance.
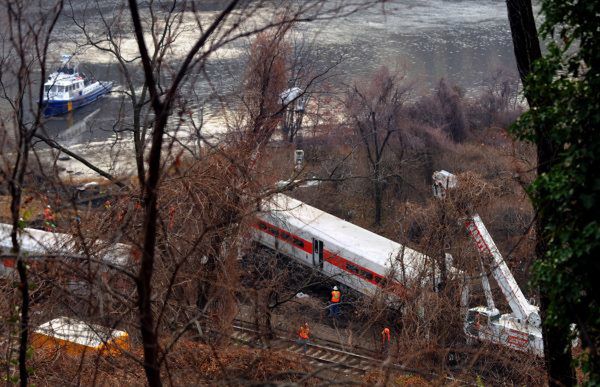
(273, 231)
(299, 243)
(352, 268)
(360, 272)
(262, 226)
(285, 235)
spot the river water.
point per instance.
(460, 40)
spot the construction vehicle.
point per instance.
(521, 329)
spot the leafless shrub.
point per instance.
(374, 112)
(497, 104)
(445, 110)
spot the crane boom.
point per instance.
(519, 305)
(521, 329)
(487, 289)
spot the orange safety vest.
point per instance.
(304, 332)
(335, 296)
(385, 335)
(48, 214)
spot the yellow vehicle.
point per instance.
(77, 337)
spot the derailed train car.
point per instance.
(352, 255)
(349, 254)
(45, 248)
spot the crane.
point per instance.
(521, 329)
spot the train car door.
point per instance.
(317, 254)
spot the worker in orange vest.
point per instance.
(49, 219)
(385, 340)
(303, 336)
(336, 297)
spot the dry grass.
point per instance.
(393, 379)
(190, 363)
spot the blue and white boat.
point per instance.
(67, 89)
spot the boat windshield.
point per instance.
(55, 89)
(66, 70)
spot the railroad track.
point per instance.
(331, 361)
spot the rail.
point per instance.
(333, 359)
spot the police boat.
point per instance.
(67, 89)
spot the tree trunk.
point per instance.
(24, 326)
(557, 350)
(557, 346)
(138, 143)
(16, 190)
(378, 202)
(525, 37)
(144, 280)
(378, 195)
(527, 51)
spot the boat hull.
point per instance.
(59, 107)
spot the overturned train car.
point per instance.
(353, 256)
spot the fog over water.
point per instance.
(461, 40)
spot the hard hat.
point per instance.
(335, 288)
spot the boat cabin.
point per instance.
(60, 87)
(66, 82)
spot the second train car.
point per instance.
(349, 254)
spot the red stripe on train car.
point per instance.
(352, 268)
(328, 256)
(285, 236)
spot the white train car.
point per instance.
(353, 256)
(38, 244)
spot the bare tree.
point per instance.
(265, 79)
(164, 98)
(26, 37)
(375, 115)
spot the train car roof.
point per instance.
(351, 237)
(79, 332)
(38, 243)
